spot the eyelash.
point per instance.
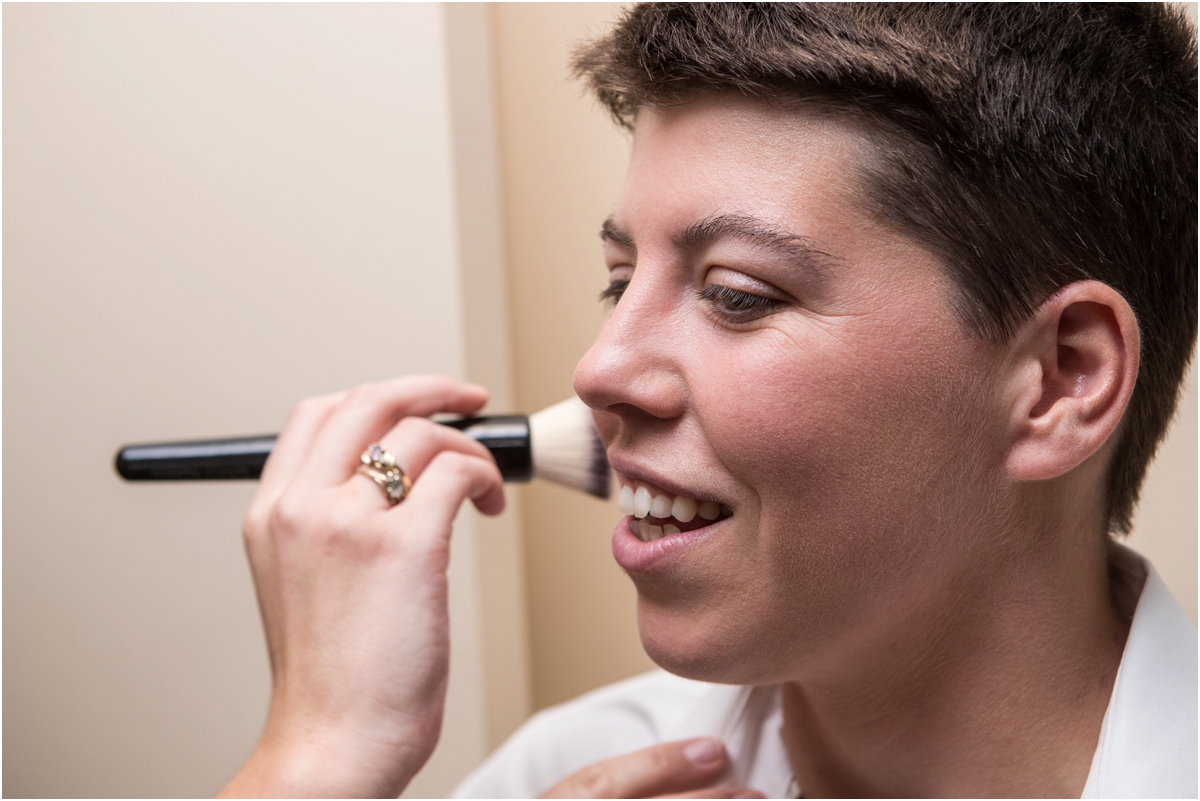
(613, 292)
(738, 306)
(735, 305)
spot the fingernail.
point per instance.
(704, 753)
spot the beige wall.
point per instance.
(563, 162)
(211, 211)
(1164, 528)
(504, 629)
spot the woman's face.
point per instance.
(778, 352)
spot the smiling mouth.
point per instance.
(657, 515)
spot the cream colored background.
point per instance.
(563, 162)
(212, 211)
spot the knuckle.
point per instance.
(414, 386)
(336, 527)
(310, 406)
(595, 781)
(334, 531)
(313, 408)
(455, 464)
(303, 410)
(664, 761)
(287, 515)
(343, 526)
(430, 381)
(256, 522)
(362, 392)
(414, 427)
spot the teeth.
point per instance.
(683, 510)
(641, 502)
(636, 527)
(660, 506)
(625, 501)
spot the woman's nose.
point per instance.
(634, 365)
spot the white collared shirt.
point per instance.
(1147, 744)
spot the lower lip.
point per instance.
(636, 556)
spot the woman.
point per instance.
(848, 317)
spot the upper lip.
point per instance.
(629, 469)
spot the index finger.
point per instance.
(370, 410)
(293, 443)
(658, 770)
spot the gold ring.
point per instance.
(380, 466)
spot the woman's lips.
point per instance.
(637, 556)
(660, 522)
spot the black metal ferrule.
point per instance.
(507, 437)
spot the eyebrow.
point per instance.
(610, 231)
(731, 226)
(752, 231)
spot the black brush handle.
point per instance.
(505, 436)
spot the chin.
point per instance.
(704, 649)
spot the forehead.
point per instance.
(797, 169)
(723, 155)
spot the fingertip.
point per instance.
(492, 502)
(705, 752)
(470, 398)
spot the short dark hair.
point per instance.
(1028, 146)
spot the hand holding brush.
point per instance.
(351, 583)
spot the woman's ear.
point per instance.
(1072, 370)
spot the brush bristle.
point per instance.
(567, 449)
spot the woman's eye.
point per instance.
(733, 304)
(736, 305)
(615, 290)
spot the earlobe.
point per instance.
(1074, 366)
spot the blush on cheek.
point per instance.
(860, 476)
(774, 432)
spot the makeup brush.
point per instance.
(558, 444)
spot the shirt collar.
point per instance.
(1148, 741)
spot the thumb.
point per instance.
(674, 767)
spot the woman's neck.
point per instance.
(996, 687)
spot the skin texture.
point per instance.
(916, 547)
